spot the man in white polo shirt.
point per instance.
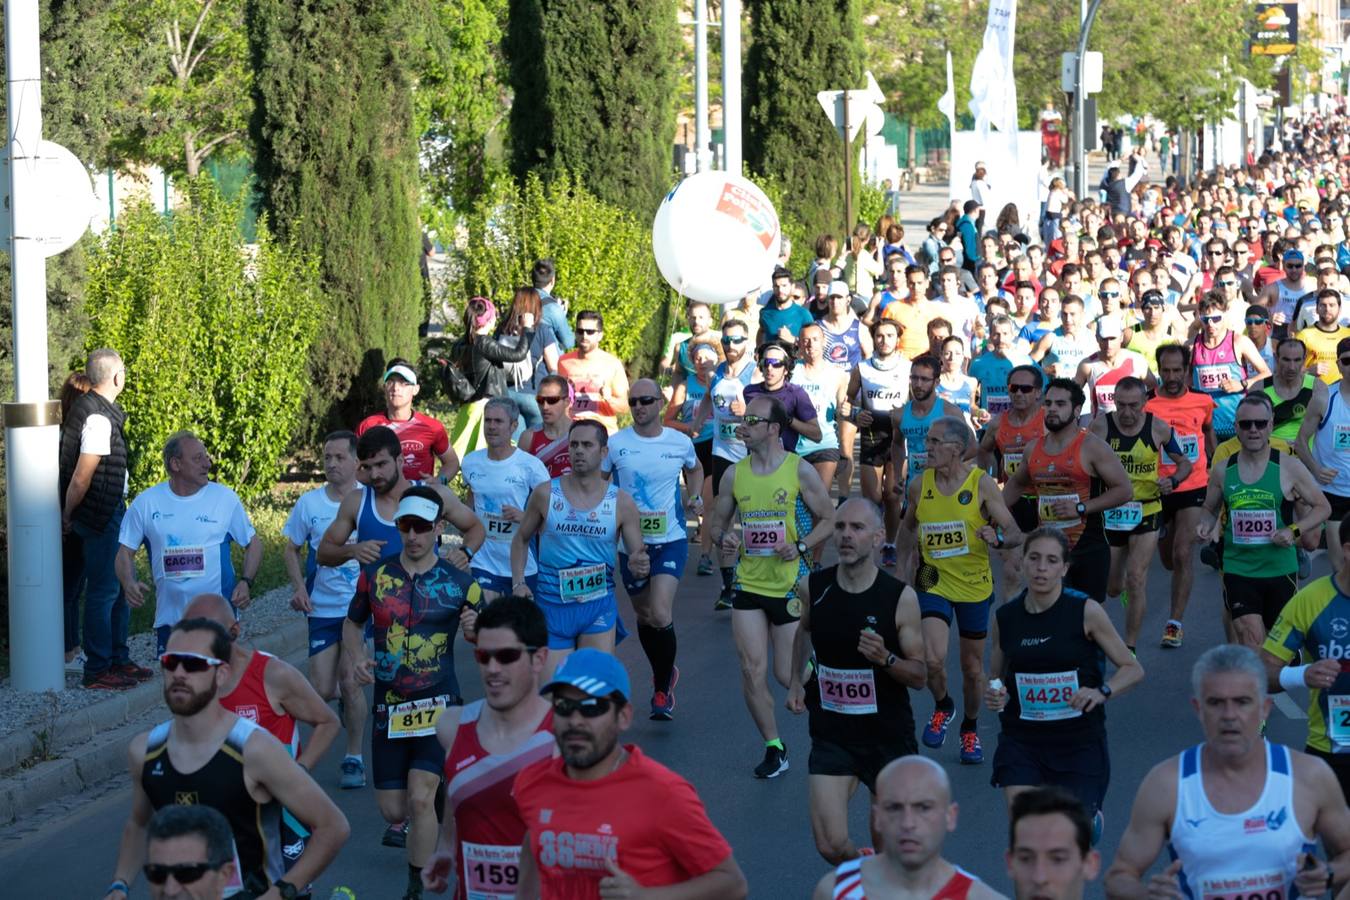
(186, 525)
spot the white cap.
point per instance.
(1108, 327)
(403, 372)
(418, 508)
(839, 289)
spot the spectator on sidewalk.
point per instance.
(72, 548)
(543, 277)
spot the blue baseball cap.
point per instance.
(594, 671)
(1293, 256)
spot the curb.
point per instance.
(92, 742)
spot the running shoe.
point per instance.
(1124, 599)
(1209, 556)
(396, 835)
(107, 680)
(663, 702)
(775, 763)
(935, 734)
(353, 774)
(1304, 564)
(76, 666)
(1172, 635)
(133, 671)
(705, 565)
(1098, 824)
(723, 600)
(888, 556)
(972, 752)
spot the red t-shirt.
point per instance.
(423, 439)
(1188, 415)
(643, 815)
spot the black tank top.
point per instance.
(220, 785)
(1043, 654)
(849, 698)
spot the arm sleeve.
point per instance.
(96, 435)
(132, 533)
(441, 442)
(689, 835)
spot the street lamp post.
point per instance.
(1080, 102)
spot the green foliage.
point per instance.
(793, 228)
(594, 88)
(215, 335)
(871, 204)
(603, 256)
(337, 171)
(797, 48)
(906, 44)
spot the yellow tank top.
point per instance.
(1141, 459)
(772, 515)
(955, 563)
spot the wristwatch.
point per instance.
(1105, 690)
(802, 549)
(287, 890)
(248, 579)
(891, 659)
(1081, 508)
(1294, 529)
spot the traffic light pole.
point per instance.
(1080, 103)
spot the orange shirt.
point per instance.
(1188, 415)
(1061, 475)
(913, 319)
(1011, 440)
(596, 380)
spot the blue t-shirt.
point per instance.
(771, 318)
(992, 371)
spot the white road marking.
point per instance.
(1289, 707)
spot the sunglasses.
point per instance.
(1252, 424)
(1110, 295)
(1226, 282)
(183, 873)
(1211, 319)
(414, 525)
(1293, 265)
(589, 707)
(750, 421)
(733, 340)
(1257, 320)
(191, 662)
(772, 363)
(642, 401)
(505, 656)
(588, 331)
(1344, 360)
(1021, 388)
(548, 401)
(1217, 252)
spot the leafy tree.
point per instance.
(337, 170)
(906, 44)
(797, 48)
(594, 88)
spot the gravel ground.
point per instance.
(17, 710)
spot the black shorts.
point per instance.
(861, 760)
(1340, 764)
(874, 444)
(1083, 768)
(1089, 566)
(1025, 515)
(1340, 507)
(780, 610)
(703, 450)
(1147, 524)
(719, 468)
(1179, 500)
(1264, 597)
(391, 760)
(830, 455)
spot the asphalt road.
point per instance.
(68, 851)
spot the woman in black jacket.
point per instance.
(483, 363)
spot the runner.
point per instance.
(1324, 335)
(877, 386)
(957, 513)
(549, 442)
(647, 460)
(605, 820)
(916, 416)
(1103, 370)
(846, 342)
(912, 814)
(415, 602)
(191, 845)
(776, 362)
(1139, 440)
(579, 518)
(1259, 486)
(862, 629)
(1050, 646)
(991, 368)
(1154, 329)
(1218, 356)
(1221, 805)
(1060, 352)
(423, 438)
(1050, 846)
(500, 478)
(958, 388)
(323, 593)
(1281, 296)
(1191, 415)
(1062, 469)
(599, 382)
(785, 511)
(911, 315)
(1291, 389)
(211, 757)
(1323, 445)
(827, 386)
(487, 742)
(685, 399)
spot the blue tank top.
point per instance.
(915, 429)
(370, 527)
(961, 396)
(694, 392)
(843, 349)
(577, 548)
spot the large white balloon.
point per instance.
(716, 237)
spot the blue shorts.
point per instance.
(568, 621)
(501, 584)
(324, 632)
(667, 559)
(972, 619)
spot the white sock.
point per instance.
(355, 756)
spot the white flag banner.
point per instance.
(947, 102)
(993, 90)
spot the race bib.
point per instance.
(1259, 886)
(764, 536)
(1045, 696)
(184, 562)
(498, 528)
(916, 462)
(653, 523)
(416, 718)
(1252, 526)
(1341, 440)
(1338, 719)
(1211, 378)
(582, 584)
(1106, 396)
(1012, 462)
(850, 692)
(1124, 518)
(1045, 504)
(944, 539)
(999, 403)
(726, 431)
(490, 871)
(1190, 445)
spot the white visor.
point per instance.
(417, 507)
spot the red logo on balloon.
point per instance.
(748, 209)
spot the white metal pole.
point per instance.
(31, 429)
(702, 137)
(731, 85)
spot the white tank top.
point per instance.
(726, 389)
(1251, 853)
(884, 389)
(1332, 447)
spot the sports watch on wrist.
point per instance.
(287, 890)
(891, 659)
(1081, 508)
(802, 549)
(1105, 690)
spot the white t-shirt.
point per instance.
(498, 483)
(331, 588)
(188, 539)
(96, 439)
(650, 469)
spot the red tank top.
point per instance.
(1060, 475)
(554, 454)
(249, 700)
(1011, 440)
(478, 788)
(848, 883)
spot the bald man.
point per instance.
(912, 814)
(647, 460)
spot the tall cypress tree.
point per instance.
(594, 87)
(337, 168)
(798, 48)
